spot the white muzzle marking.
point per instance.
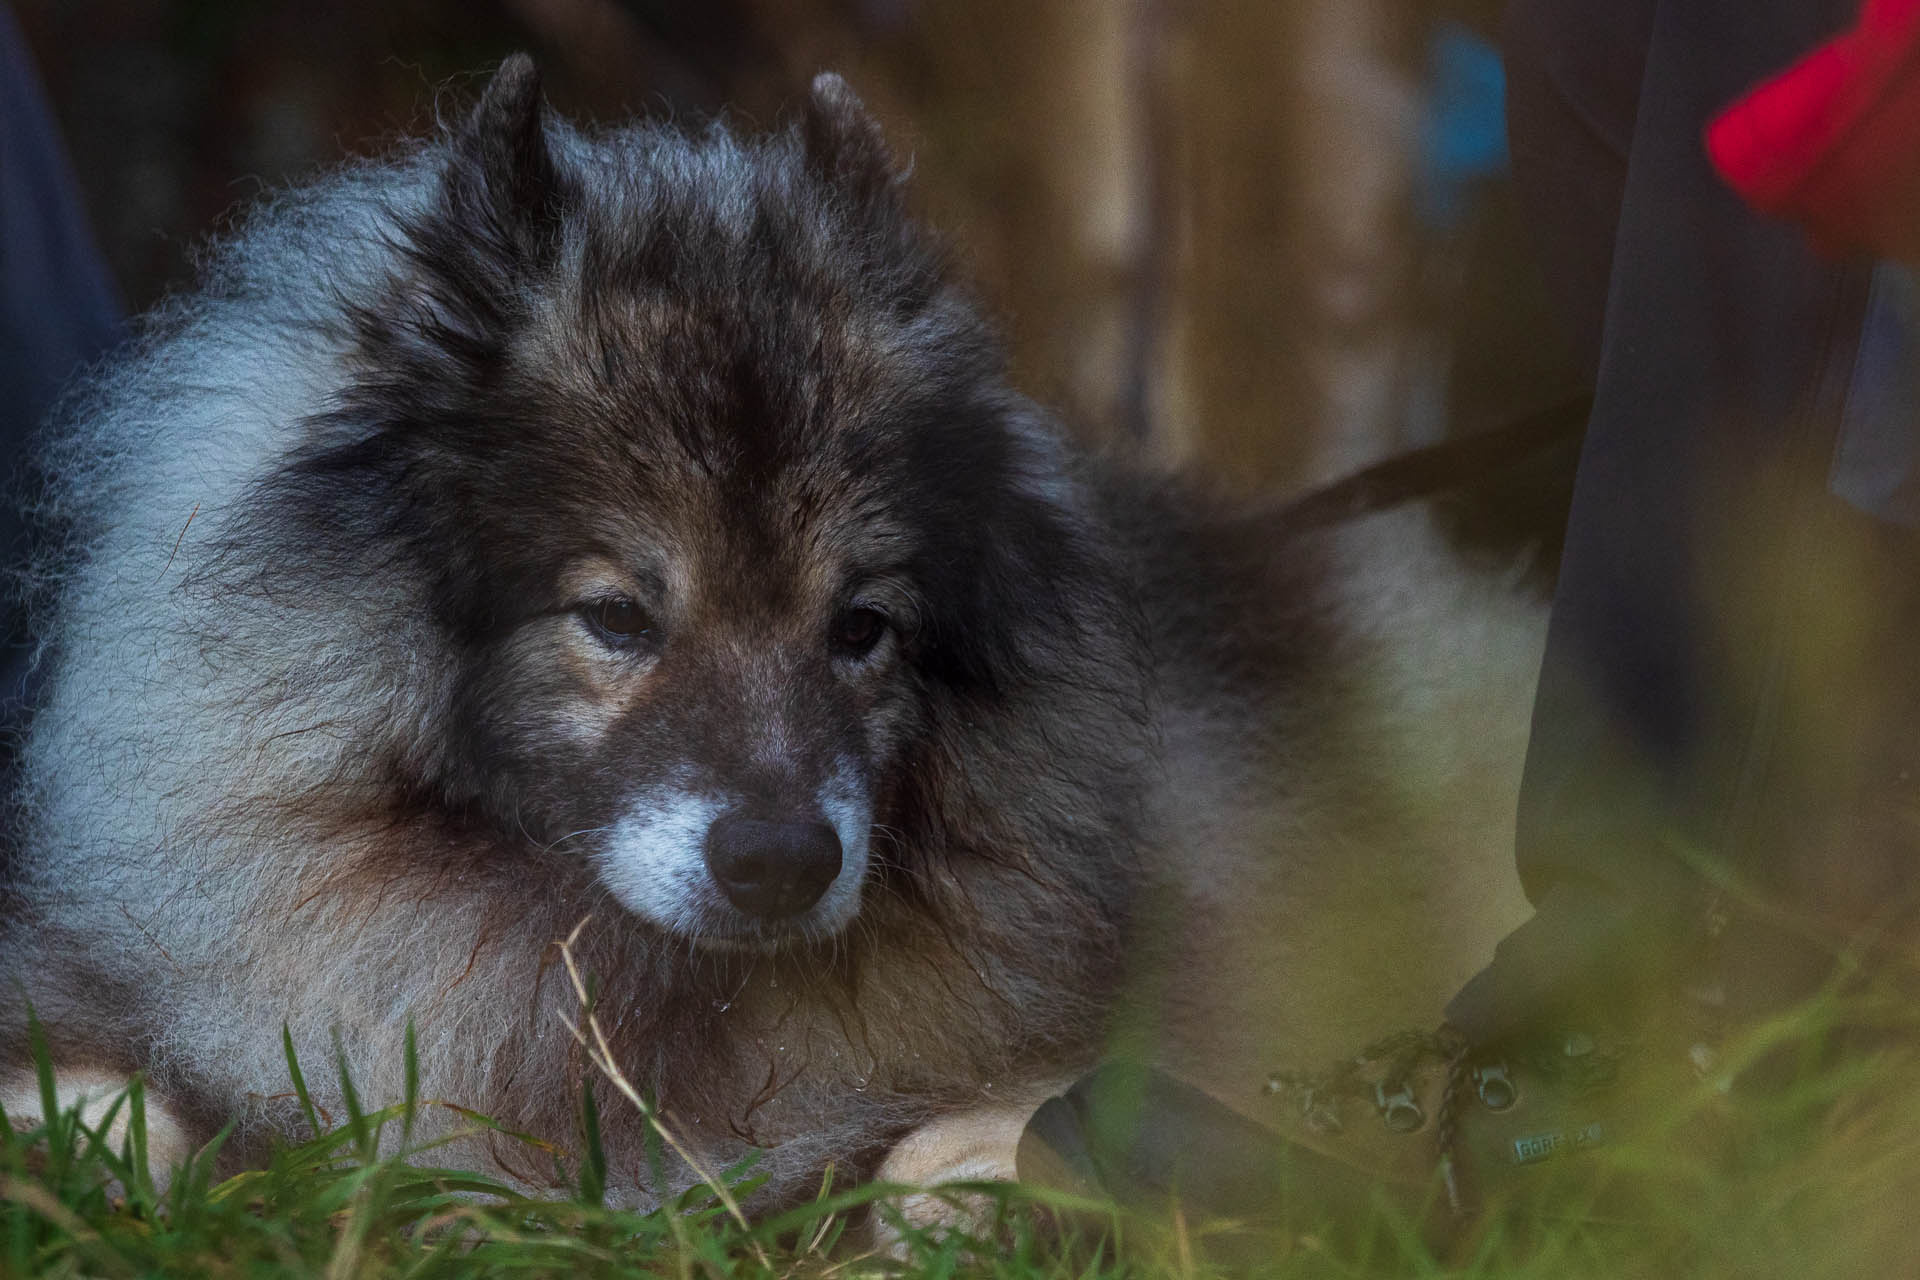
(654, 861)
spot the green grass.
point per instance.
(1825, 1182)
(363, 1199)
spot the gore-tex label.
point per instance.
(1540, 1146)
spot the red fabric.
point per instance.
(1833, 142)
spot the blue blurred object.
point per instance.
(1464, 129)
(58, 306)
(59, 310)
(1876, 461)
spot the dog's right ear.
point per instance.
(845, 144)
(494, 227)
(503, 188)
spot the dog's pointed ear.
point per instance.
(503, 186)
(845, 144)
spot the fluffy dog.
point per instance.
(540, 526)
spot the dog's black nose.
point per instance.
(772, 869)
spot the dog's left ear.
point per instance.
(845, 144)
(503, 186)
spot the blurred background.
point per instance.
(1268, 236)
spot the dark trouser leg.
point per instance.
(1573, 91)
(1699, 508)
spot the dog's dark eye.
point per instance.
(857, 630)
(618, 621)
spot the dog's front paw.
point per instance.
(967, 1146)
(93, 1095)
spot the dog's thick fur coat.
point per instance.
(495, 517)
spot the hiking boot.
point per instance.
(1418, 1130)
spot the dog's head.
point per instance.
(716, 493)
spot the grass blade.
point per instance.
(139, 1161)
(411, 1065)
(593, 1165)
(366, 1136)
(299, 1082)
(58, 1132)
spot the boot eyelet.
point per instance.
(1401, 1113)
(1320, 1114)
(1494, 1086)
